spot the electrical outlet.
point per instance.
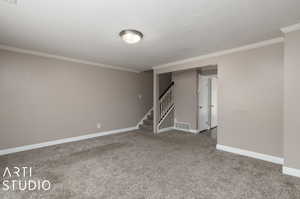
(99, 126)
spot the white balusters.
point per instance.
(166, 101)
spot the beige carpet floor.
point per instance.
(138, 165)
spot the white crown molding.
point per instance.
(260, 156)
(66, 140)
(224, 52)
(41, 54)
(291, 28)
(291, 171)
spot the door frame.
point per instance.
(212, 105)
(209, 96)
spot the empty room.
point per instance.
(168, 99)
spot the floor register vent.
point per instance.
(183, 125)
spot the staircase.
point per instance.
(166, 106)
(166, 103)
(147, 123)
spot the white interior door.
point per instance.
(214, 102)
(203, 105)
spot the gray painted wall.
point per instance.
(250, 98)
(209, 70)
(164, 81)
(185, 97)
(45, 99)
(291, 100)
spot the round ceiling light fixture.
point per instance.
(131, 36)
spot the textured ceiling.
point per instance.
(173, 29)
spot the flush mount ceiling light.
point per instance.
(131, 36)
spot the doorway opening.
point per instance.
(208, 99)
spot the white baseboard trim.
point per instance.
(165, 129)
(65, 140)
(291, 171)
(291, 28)
(260, 156)
(195, 131)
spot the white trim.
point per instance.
(66, 140)
(291, 171)
(165, 129)
(41, 54)
(145, 117)
(166, 114)
(194, 131)
(260, 156)
(224, 52)
(291, 28)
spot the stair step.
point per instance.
(148, 127)
(148, 122)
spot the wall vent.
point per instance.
(183, 125)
